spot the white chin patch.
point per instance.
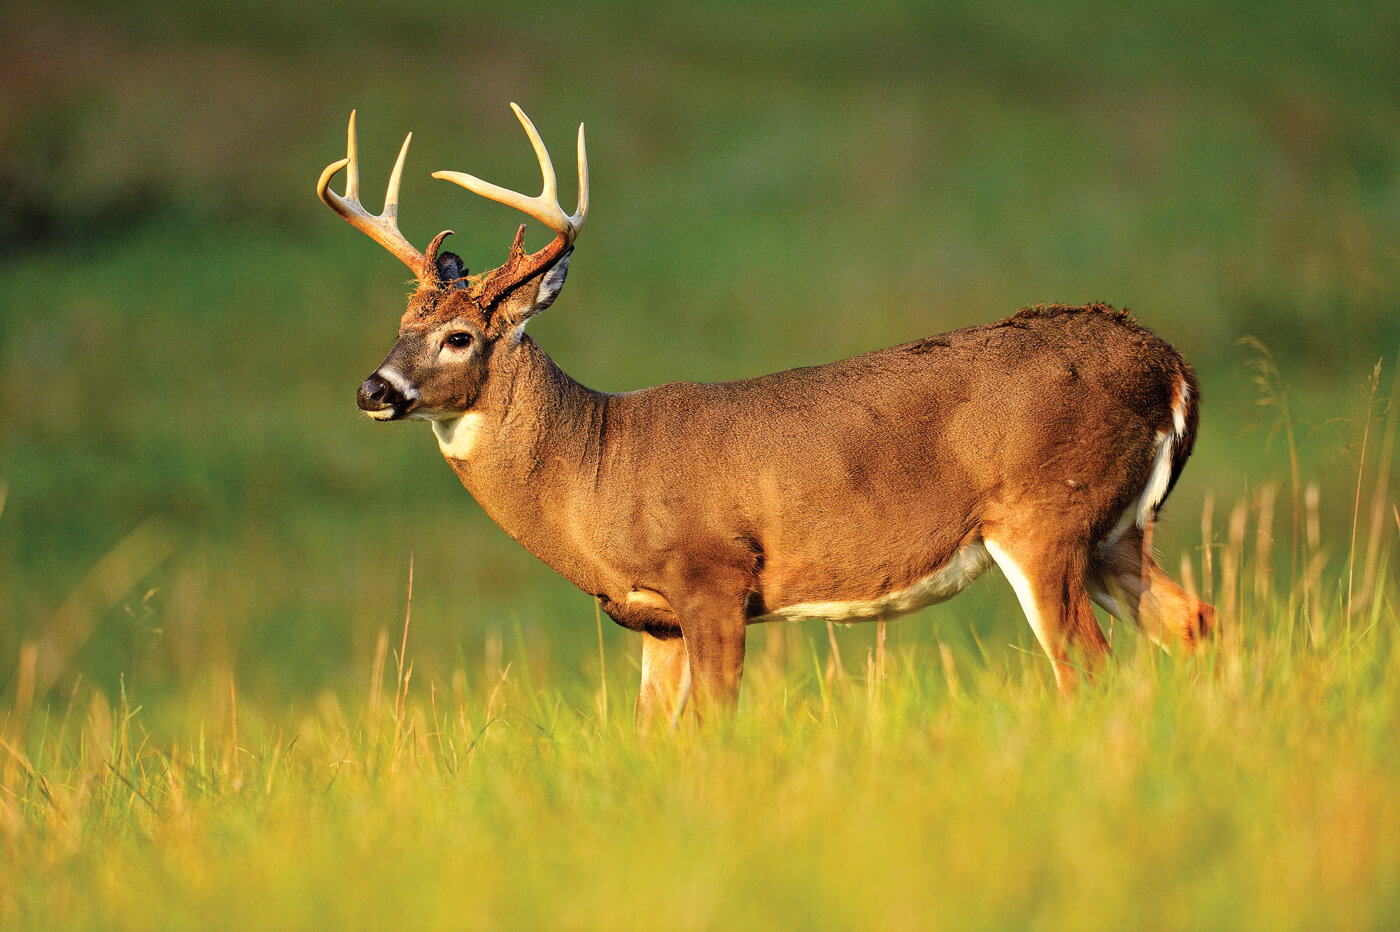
(458, 436)
(384, 414)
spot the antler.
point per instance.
(488, 288)
(384, 228)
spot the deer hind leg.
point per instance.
(665, 681)
(1128, 584)
(1049, 582)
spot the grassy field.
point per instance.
(211, 711)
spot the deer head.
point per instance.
(457, 324)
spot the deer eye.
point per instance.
(458, 339)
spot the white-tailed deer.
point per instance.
(861, 489)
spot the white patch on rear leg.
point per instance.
(1025, 593)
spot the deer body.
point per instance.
(863, 488)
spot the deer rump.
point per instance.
(865, 488)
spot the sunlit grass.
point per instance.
(1256, 785)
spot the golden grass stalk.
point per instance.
(880, 634)
(1374, 384)
(1264, 543)
(402, 675)
(1273, 394)
(602, 665)
(1381, 492)
(1316, 563)
(376, 673)
(834, 667)
(1208, 548)
(234, 749)
(101, 589)
(950, 671)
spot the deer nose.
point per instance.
(375, 394)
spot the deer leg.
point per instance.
(665, 681)
(1125, 580)
(1049, 584)
(713, 629)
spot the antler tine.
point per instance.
(545, 207)
(581, 213)
(550, 194)
(384, 227)
(352, 152)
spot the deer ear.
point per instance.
(451, 271)
(447, 267)
(529, 299)
(552, 283)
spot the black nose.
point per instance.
(375, 394)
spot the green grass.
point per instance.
(1254, 787)
(192, 510)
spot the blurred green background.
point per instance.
(186, 488)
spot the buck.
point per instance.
(861, 489)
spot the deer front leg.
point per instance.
(665, 681)
(713, 628)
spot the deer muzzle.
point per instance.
(380, 399)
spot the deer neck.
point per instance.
(527, 451)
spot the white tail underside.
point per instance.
(1160, 478)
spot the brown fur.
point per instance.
(824, 484)
(693, 510)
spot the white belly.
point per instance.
(966, 564)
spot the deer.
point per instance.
(1044, 443)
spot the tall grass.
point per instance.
(1255, 785)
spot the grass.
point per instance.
(210, 712)
(1253, 787)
